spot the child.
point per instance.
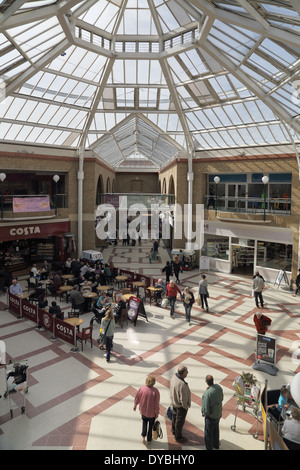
(283, 398)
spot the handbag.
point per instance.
(169, 413)
(157, 431)
(102, 337)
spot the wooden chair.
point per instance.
(84, 335)
(122, 318)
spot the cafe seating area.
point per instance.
(76, 400)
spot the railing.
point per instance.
(253, 205)
(55, 200)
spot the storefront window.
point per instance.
(216, 246)
(274, 255)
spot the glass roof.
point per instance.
(139, 81)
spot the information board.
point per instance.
(266, 349)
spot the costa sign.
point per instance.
(15, 232)
(24, 230)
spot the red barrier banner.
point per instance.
(29, 311)
(64, 331)
(45, 319)
(14, 303)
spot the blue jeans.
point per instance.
(188, 309)
(211, 433)
(172, 301)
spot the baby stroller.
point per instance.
(16, 380)
(99, 313)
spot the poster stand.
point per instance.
(265, 357)
(136, 308)
(282, 275)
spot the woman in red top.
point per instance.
(171, 293)
(148, 400)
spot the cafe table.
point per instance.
(66, 290)
(74, 321)
(126, 297)
(88, 296)
(103, 288)
(121, 280)
(138, 284)
(152, 291)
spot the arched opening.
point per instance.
(100, 190)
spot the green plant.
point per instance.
(248, 378)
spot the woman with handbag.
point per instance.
(108, 327)
(148, 400)
(203, 292)
(188, 300)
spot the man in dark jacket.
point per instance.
(168, 270)
(212, 412)
(297, 284)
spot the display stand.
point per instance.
(265, 357)
(282, 275)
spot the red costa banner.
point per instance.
(28, 230)
(28, 310)
(14, 303)
(45, 319)
(64, 331)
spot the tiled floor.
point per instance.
(78, 401)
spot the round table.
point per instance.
(67, 276)
(74, 321)
(103, 288)
(66, 289)
(121, 279)
(138, 284)
(126, 297)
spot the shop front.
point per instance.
(243, 248)
(24, 243)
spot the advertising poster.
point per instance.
(266, 349)
(133, 308)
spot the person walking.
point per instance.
(203, 292)
(147, 398)
(181, 401)
(171, 293)
(297, 282)
(212, 412)
(188, 300)
(155, 250)
(168, 271)
(177, 267)
(258, 286)
(108, 327)
(262, 322)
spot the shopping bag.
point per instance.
(165, 303)
(199, 300)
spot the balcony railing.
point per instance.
(253, 205)
(56, 201)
